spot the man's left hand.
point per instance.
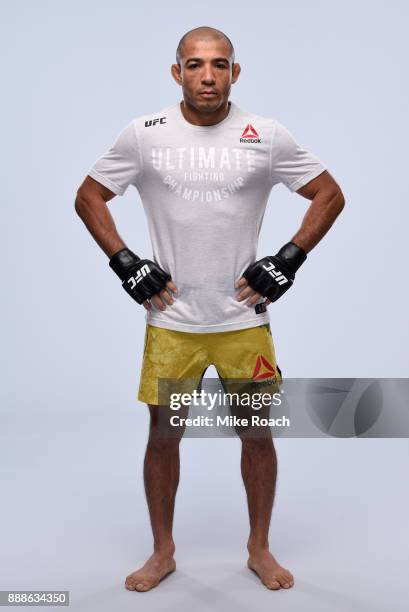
(245, 291)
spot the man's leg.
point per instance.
(259, 471)
(161, 477)
(242, 358)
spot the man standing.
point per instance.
(204, 169)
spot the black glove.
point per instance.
(273, 275)
(141, 278)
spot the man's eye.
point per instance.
(192, 65)
(221, 65)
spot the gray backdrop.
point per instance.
(73, 435)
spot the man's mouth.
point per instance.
(207, 94)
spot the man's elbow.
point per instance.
(335, 199)
(81, 203)
(339, 201)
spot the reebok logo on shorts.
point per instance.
(263, 369)
(250, 134)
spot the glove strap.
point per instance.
(293, 255)
(122, 261)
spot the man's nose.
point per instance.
(207, 75)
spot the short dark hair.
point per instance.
(208, 32)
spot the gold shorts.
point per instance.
(185, 356)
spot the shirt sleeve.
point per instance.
(291, 164)
(121, 164)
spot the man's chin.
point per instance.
(209, 106)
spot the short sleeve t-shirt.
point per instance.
(204, 190)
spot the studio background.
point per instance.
(73, 434)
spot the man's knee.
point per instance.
(256, 441)
(161, 428)
(163, 445)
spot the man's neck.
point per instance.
(196, 117)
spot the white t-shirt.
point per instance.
(204, 190)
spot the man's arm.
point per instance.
(327, 202)
(91, 206)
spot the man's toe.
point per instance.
(283, 580)
(142, 586)
(273, 584)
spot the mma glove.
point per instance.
(141, 278)
(273, 275)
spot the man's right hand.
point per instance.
(143, 279)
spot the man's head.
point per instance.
(205, 68)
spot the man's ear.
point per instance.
(175, 71)
(236, 69)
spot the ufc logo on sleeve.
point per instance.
(160, 120)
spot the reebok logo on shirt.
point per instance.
(250, 134)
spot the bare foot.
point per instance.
(271, 573)
(157, 567)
